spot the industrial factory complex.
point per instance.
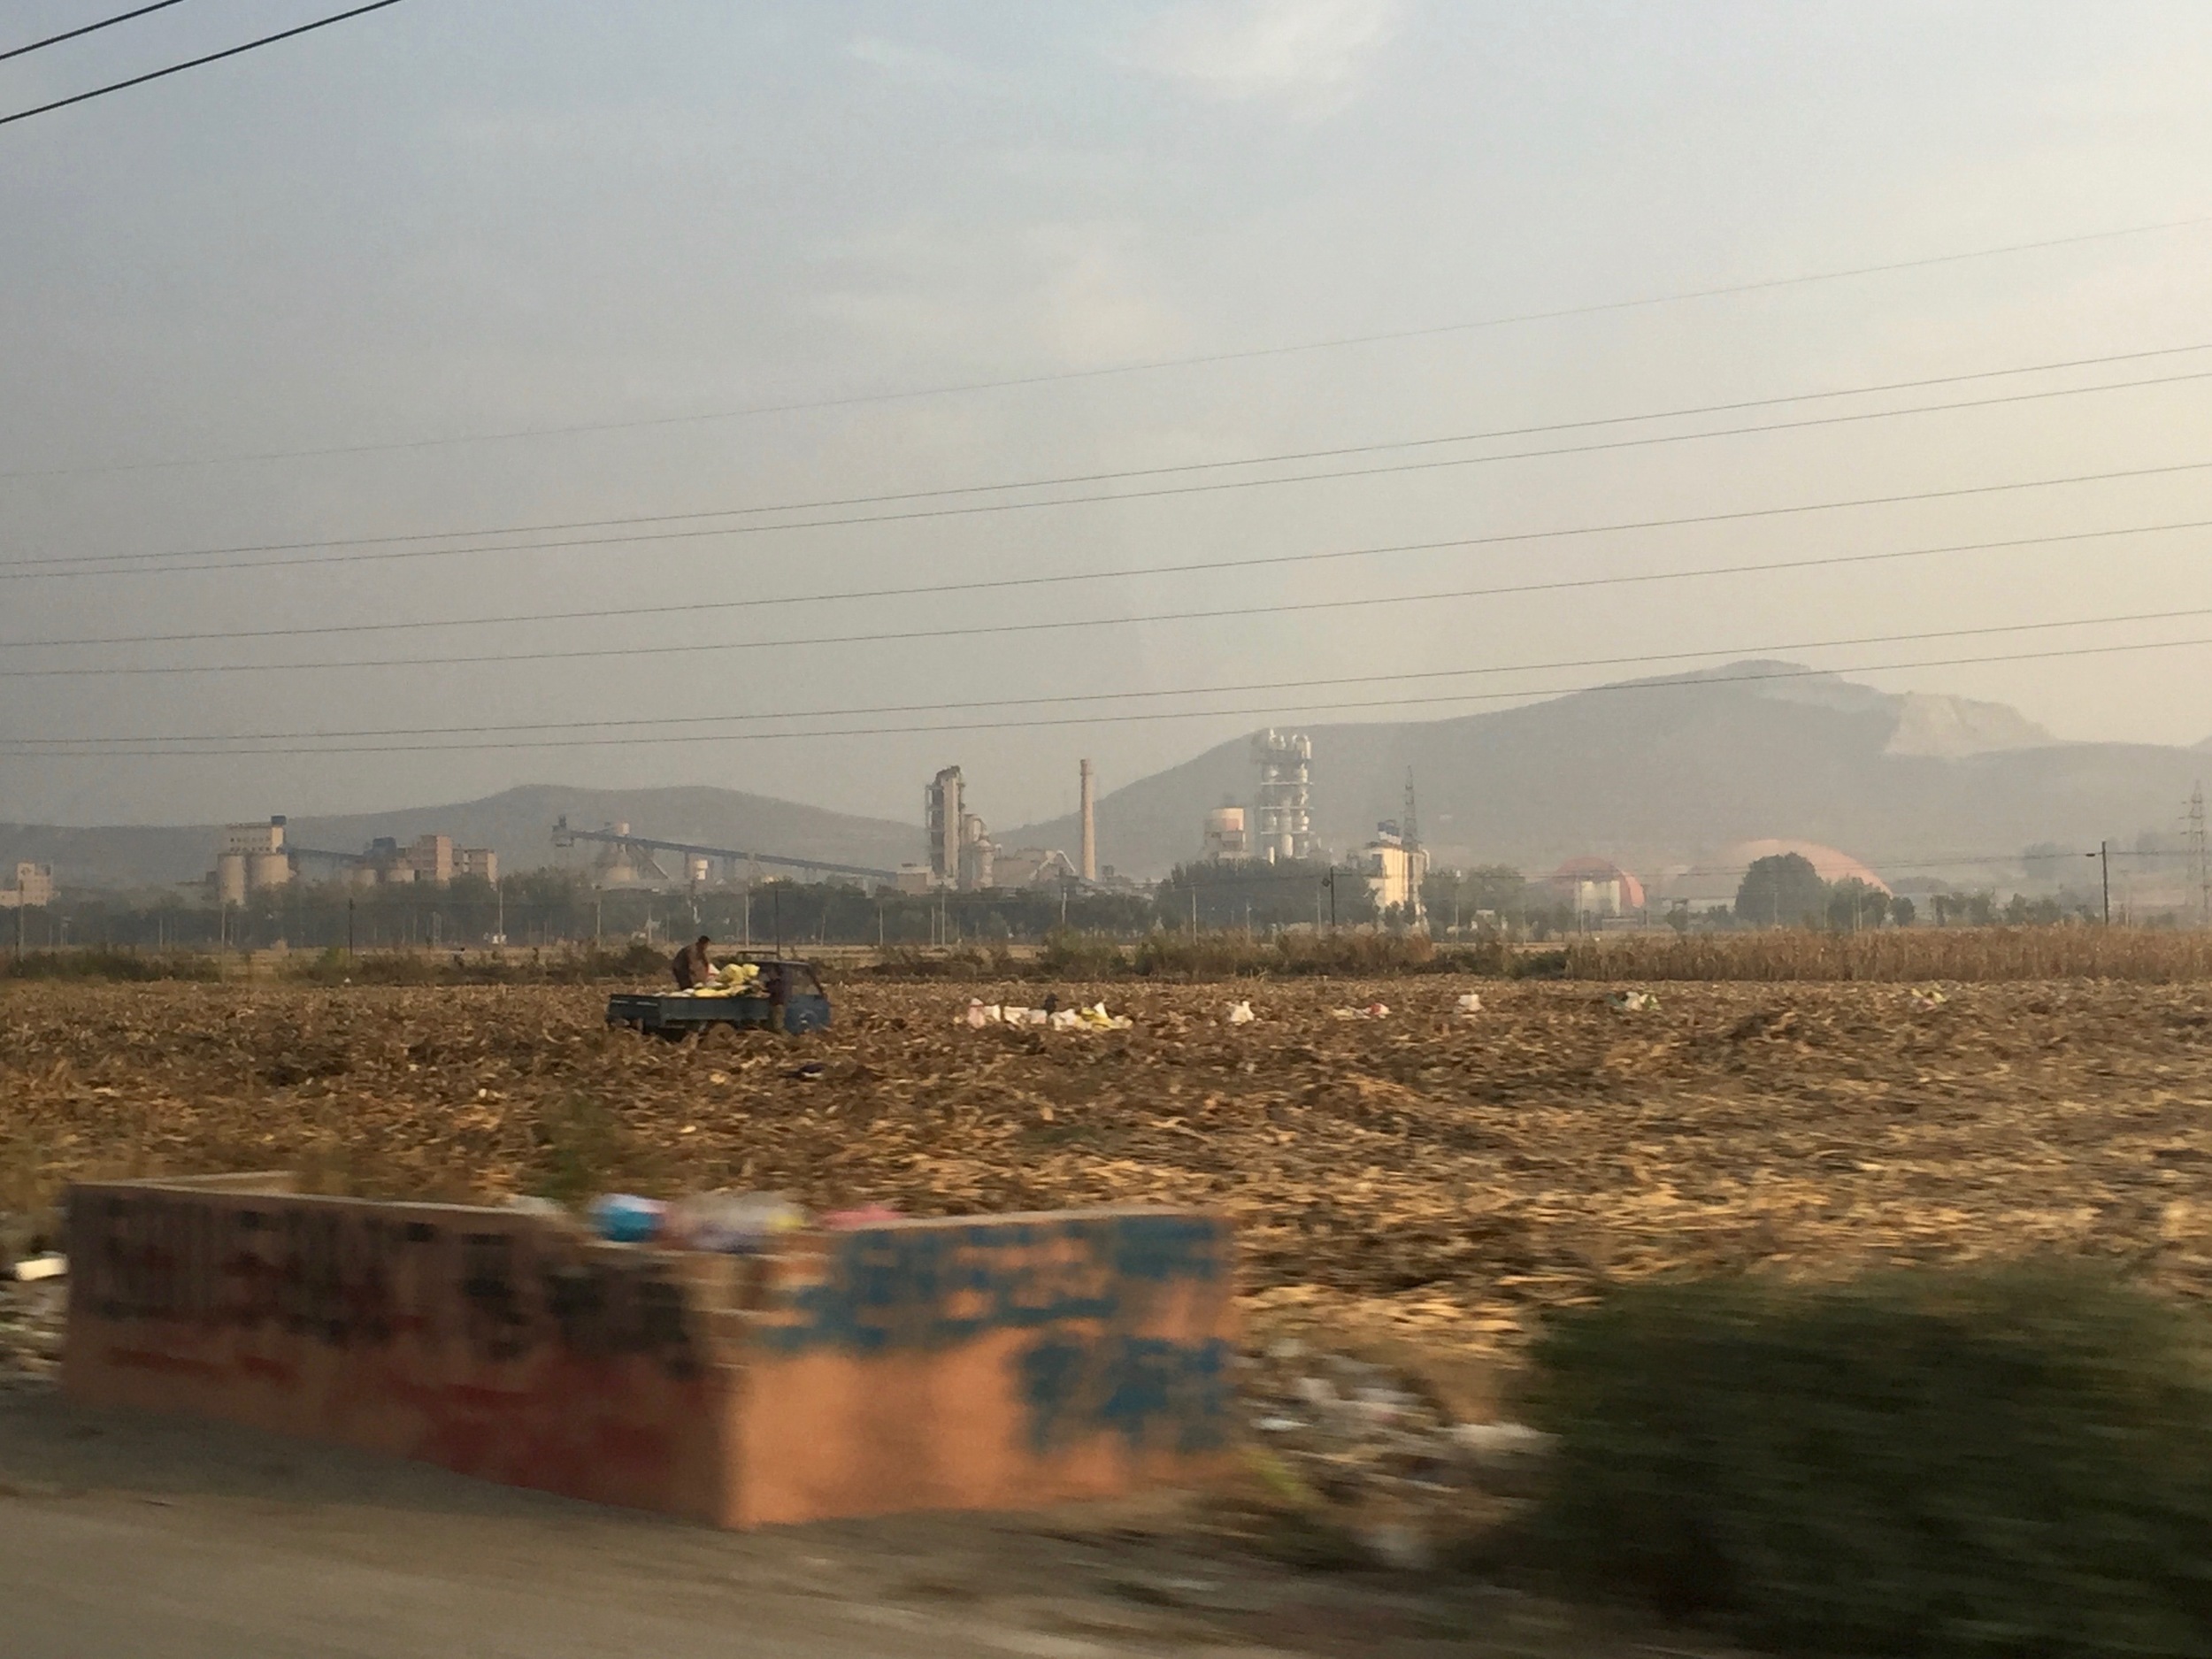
(1274, 825)
(256, 858)
(959, 855)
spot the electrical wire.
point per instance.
(89, 28)
(848, 712)
(1265, 562)
(1151, 366)
(1053, 624)
(1264, 710)
(212, 58)
(101, 564)
(1502, 538)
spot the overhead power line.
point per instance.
(1049, 626)
(1617, 527)
(1266, 711)
(166, 561)
(851, 712)
(694, 607)
(212, 58)
(1146, 366)
(89, 28)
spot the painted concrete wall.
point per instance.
(915, 1364)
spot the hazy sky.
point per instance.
(467, 217)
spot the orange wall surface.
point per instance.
(994, 1362)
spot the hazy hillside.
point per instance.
(1668, 771)
(517, 823)
(1650, 773)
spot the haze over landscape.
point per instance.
(1351, 828)
(497, 266)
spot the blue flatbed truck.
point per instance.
(790, 999)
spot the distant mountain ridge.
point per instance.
(1653, 774)
(518, 823)
(1659, 772)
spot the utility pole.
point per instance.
(349, 926)
(499, 927)
(1194, 909)
(2103, 855)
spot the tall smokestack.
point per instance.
(1090, 828)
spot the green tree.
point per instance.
(1783, 891)
(1901, 911)
(1854, 904)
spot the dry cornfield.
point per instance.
(1426, 1171)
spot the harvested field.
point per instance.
(1426, 1172)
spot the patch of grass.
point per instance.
(2007, 1462)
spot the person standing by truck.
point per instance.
(690, 964)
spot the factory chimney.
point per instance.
(1090, 826)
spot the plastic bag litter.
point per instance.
(730, 1224)
(1631, 1002)
(1092, 1019)
(1239, 1014)
(50, 1265)
(1922, 1001)
(625, 1218)
(1469, 1003)
(1373, 1010)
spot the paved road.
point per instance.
(130, 1537)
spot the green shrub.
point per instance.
(2010, 1462)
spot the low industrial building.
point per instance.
(33, 890)
(1393, 869)
(256, 858)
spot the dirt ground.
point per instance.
(1424, 1175)
(1414, 1191)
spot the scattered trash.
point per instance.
(1633, 1002)
(1239, 1014)
(730, 1224)
(1374, 1454)
(1922, 1000)
(1469, 1003)
(1373, 1010)
(809, 1073)
(1092, 1019)
(48, 1264)
(625, 1218)
(980, 1013)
